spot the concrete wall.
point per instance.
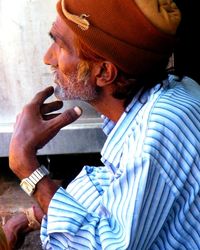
(24, 26)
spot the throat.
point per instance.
(113, 109)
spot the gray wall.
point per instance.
(24, 27)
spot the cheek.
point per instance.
(67, 64)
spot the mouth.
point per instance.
(55, 75)
(56, 80)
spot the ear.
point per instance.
(105, 73)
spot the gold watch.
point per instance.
(29, 184)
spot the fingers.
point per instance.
(68, 117)
(50, 116)
(41, 96)
(65, 118)
(50, 107)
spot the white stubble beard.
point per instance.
(75, 89)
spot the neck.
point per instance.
(110, 107)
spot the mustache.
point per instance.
(53, 70)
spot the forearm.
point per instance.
(44, 192)
(35, 126)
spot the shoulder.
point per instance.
(178, 106)
(172, 138)
(174, 121)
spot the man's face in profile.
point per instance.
(65, 63)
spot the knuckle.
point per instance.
(28, 107)
(38, 95)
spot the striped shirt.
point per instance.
(147, 194)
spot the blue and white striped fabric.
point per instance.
(147, 196)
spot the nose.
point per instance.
(50, 58)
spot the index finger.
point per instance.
(41, 96)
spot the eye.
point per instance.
(52, 37)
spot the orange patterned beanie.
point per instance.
(118, 31)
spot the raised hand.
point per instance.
(35, 126)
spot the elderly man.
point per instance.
(113, 55)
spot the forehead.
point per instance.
(62, 33)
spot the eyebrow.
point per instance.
(52, 36)
(59, 41)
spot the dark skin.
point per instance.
(35, 126)
(44, 128)
(18, 224)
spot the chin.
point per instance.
(59, 93)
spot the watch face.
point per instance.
(28, 184)
(27, 187)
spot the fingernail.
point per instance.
(77, 110)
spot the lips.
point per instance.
(56, 79)
(55, 75)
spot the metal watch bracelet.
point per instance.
(29, 184)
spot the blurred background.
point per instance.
(24, 39)
(24, 27)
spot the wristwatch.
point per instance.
(29, 184)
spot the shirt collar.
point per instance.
(117, 132)
(108, 124)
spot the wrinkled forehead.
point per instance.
(60, 26)
(62, 34)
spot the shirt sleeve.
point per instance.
(148, 202)
(101, 211)
(107, 210)
(74, 214)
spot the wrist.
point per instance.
(23, 162)
(30, 183)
